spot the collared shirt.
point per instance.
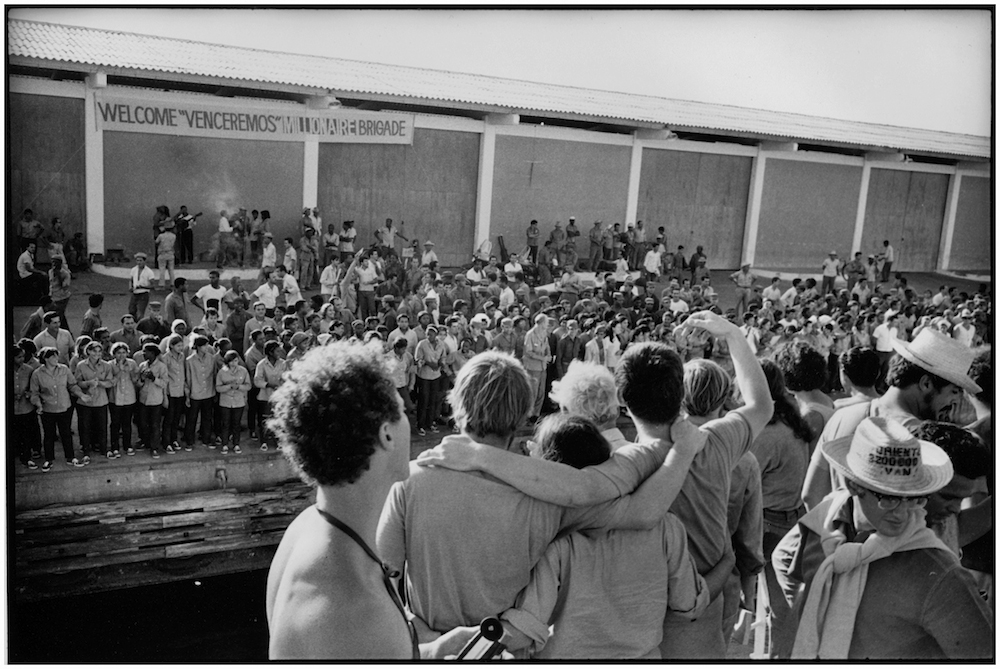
(174, 307)
(426, 353)
(267, 377)
(401, 368)
(252, 358)
(22, 390)
(233, 385)
(200, 379)
(25, 264)
(536, 349)
(151, 391)
(367, 278)
(268, 294)
(270, 256)
(224, 225)
(125, 377)
(63, 342)
(132, 340)
(101, 372)
(743, 279)
(290, 290)
(59, 284)
(176, 372)
(50, 389)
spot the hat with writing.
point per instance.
(882, 455)
(940, 355)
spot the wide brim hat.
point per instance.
(882, 455)
(942, 356)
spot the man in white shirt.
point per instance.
(512, 266)
(882, 338)
(507, 296)
(211, 294)
(772, 292)
(429, 256)
(831, 269)
(289, 286)
(789, 296)
(268, 292)
(140, 282)
(475, 273)
(888, 256)
(965, 331)
(225, 235)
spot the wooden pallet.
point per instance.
(91, 537)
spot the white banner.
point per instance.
(183, 118)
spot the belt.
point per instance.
(784, 516)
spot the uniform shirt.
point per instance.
(199, 378)
(267, 377)
(151, 390)
(426, 353)
(101, 372)
(22, 390)
(51, 389)
(176, 372)
(232, 386)
(124, 378)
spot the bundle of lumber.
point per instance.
(136, 540)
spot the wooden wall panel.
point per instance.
(551, 180)
(972, 242)
(807, 210)
(46, 168)
(430, 185)
(142, 171)
(698, 199)
(907, 208)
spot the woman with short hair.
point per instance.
(50, 387)
(122, 398)
(93, 377)
(232, 383)
(25, 421)
(268, 377)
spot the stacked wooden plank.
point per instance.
(90, 537)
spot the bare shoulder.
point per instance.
(326, 599)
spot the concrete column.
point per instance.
(310, 173)
(859, 217)
(484, 188)
(948, 225)
(93, 139)
(634, 173)
(753, 209)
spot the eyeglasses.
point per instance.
(890, 502)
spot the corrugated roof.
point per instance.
(113, 49)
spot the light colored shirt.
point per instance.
(25, 265)
(224, 225)
(232, 386)
(50, 389)
(96, 394)
(151, 391)
(125, 377)
(199, 377)
(141, 282)
(269, 258)
(469, 542)
(63, 343)
(425, 353)
(267, 377)
(603, 595)
(268, 294)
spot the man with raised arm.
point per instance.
(650, 377)
(468, 541)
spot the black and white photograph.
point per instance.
(530, 333)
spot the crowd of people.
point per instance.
(589, 546)
(743, 462)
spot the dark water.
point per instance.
(217, 619)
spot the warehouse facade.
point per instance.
(104, 126)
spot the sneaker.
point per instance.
(225, 450)
(218, 441)
(422, 432)
(36, 455)
(263, 447)
(278, 447)
(211, 445)
(237, 450)
(434, 428)
(74, 463)
(156, 454)
(86, 460)
(110, 455)
(46, 466)
(31, 464)
(129, 451)
(188, 447)
(169, 449)
(117, 454)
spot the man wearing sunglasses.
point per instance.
(865, 576)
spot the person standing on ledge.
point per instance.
(341, 425)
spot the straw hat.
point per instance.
(942, 356)
(884, 456)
